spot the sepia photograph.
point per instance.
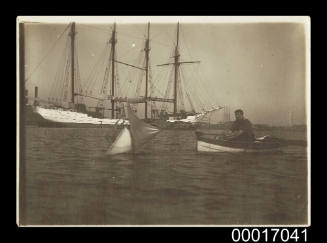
(163, 121)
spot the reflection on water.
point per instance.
(70, 180)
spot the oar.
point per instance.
(302, 143)
(286, 142)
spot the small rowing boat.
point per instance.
(218, 143)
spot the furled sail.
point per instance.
(129, 140)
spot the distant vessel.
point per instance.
(290, 121)
(69, 110)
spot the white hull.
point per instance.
(208, 147)
(66, 116)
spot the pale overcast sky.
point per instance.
(259, 67)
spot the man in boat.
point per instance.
(241, 129)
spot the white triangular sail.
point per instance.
(122, 144)
(129, 140)
(141, 131)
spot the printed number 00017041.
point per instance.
(254, 235)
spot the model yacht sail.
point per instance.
(133, 138)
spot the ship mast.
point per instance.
(176, 64)
(22, 167)
(145, 99)
(22, 56)
(113, 45)
(72, 35)
(147, 50)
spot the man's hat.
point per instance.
(239, 111)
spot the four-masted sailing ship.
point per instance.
(70, 110)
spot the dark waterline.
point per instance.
(69, 180)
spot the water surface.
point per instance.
(70, 180)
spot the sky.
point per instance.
(258, 67)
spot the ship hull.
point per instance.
(42, 117)
(163, 124)
(47, 123)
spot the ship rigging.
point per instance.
(82, 97)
